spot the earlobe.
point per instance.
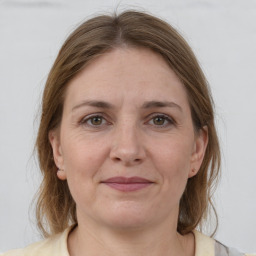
(57, 153)
(192, 172)
(200, 146)
(61, 174)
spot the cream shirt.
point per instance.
(57, 246)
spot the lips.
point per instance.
(127, 184)
(125, 180)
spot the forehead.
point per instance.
(127, 74)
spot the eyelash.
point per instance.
(85, 120)
(167, 118)
(170, 121)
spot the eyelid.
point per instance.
(83, 120)
(170, 120)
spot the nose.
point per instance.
(127, 146)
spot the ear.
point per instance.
(200, 145)
(54, 138)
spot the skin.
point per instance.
(128, 139)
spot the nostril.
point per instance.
(127, 153)
(127, 160)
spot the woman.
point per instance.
(127, 144)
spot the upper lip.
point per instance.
(126, 180)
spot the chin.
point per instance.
(126, 218)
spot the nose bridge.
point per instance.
(127, 146)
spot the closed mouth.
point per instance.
(127, 184)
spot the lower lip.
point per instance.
(127, 187)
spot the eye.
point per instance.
(96, 120)
(161, 120)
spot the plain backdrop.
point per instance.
(222, 34)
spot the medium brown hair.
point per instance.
(56, 209)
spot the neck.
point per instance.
(153, 241)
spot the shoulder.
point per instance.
(54, 246)
(204, 245)
(207, 246)
(221, 249)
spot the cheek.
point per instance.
(83, 165)
(173, 164)
(175, 154)
(82, 159)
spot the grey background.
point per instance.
(223, 35)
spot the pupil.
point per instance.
(96, 120)
(159, 120)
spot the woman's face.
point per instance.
(126, 115)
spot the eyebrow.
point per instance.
(161, 104)
(94, 103)
(145, 105)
